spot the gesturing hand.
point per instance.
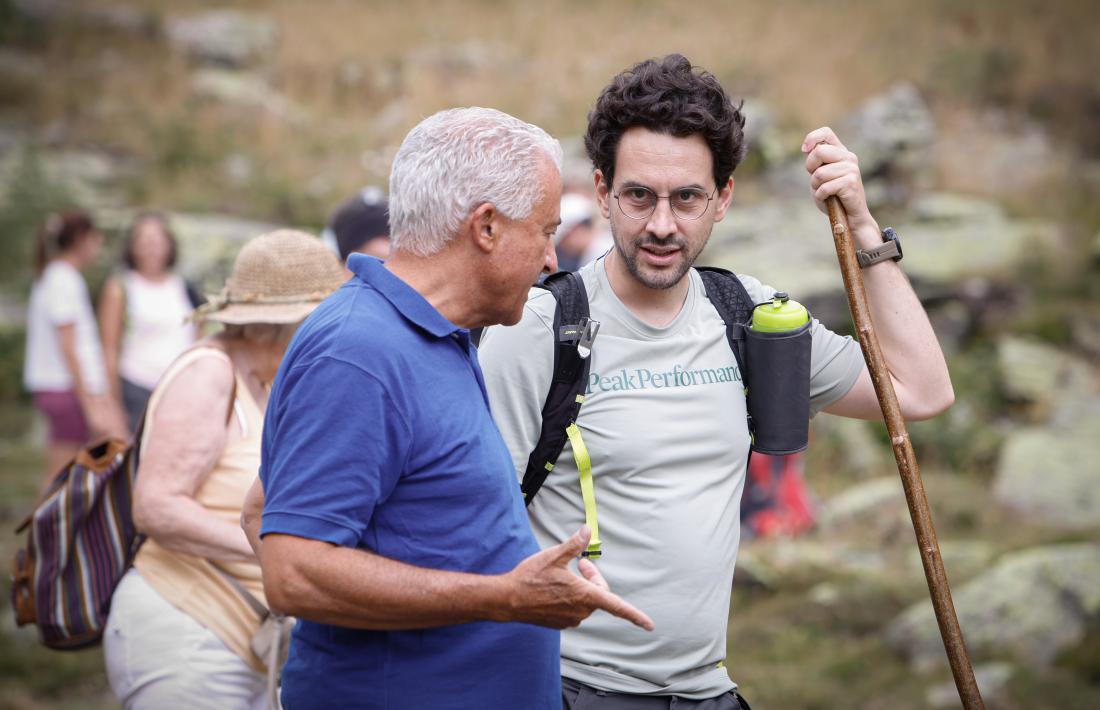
(544, 591)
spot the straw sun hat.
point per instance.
(278, 277)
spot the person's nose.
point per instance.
(550, 258)
(662, 223)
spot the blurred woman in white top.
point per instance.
(143, 314)
(64, 368)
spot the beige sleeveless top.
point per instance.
(192, 584)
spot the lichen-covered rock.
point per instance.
(243, 90)
(1052, 475)
(225, 38)
(892, 134)
(864, 455)
(784, 563)
(92, 178)
(877, 497)
(1029, 370)
(992, 680)
(787, 242)
(962, 559)
(1031, 606)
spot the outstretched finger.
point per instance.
(571, 548)
(590, 572)
(614, 604)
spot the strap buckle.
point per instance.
(583, 334)
(589, 329)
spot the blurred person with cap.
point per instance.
(393, 527)
(183, 617)
(579, 240)
(360, 225)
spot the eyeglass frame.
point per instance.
(657, 198)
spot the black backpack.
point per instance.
(575, 332)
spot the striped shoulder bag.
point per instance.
(81, 540)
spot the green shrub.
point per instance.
(12, 342)
(30, 195)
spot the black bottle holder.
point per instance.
(778, 385)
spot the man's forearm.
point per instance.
(909, 344)
(358, 589)
(354, 588)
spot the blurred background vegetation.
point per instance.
(273, 112)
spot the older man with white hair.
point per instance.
(393, 526)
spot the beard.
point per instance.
(657, 279)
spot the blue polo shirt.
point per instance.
(378, 436)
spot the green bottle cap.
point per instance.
(780, 315)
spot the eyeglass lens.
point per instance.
(639, 202)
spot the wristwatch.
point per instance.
(889, 249)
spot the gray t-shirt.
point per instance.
(664, 424)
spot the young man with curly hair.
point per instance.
(669, 448)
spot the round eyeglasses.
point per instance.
(638, 202)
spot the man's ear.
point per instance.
(482, 227)
(603, 194)
(725, 195)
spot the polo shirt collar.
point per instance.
(407, 300)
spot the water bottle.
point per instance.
(777, 355)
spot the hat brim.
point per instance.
(246, 313)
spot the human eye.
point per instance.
(689, 196)
(637, 195)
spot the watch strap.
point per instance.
(890, 249)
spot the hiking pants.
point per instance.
(159, 657)
(578, 696)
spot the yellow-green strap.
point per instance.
(588, 491)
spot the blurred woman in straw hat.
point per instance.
(182, 620)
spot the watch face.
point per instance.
(892, 236)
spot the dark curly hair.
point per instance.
(666, 96)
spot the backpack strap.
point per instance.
(732, 301)
(563, 401)
(574, 333)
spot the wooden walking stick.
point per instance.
(907, 461)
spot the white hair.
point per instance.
(457, 159)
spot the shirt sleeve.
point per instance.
(835, 363)
(334, 447)
(65, 292)
(517, 363)
(835, 360)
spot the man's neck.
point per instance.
(442, 281)
(657, 307)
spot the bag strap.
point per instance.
(275, 653)
(734, 304)
(574, 332)
(255, 604)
